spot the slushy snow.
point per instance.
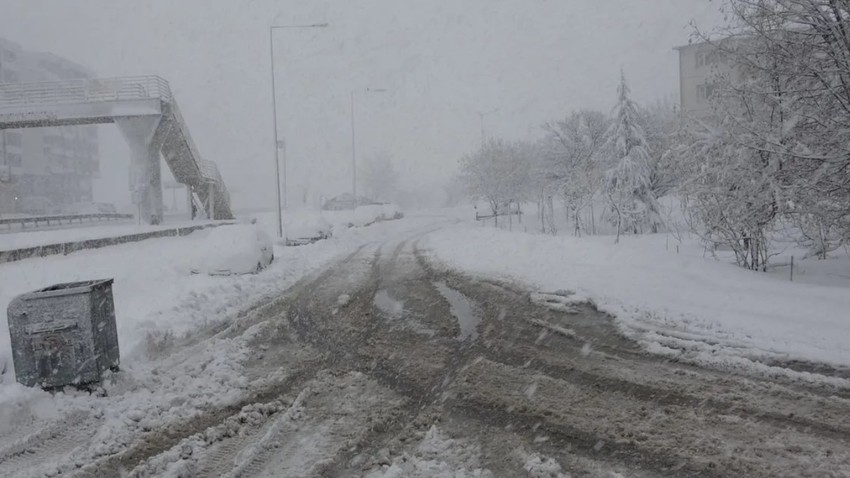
(681, 303)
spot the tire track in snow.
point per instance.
(566, 357)
(221, 456)
(24, 456)
(332, 414)
(249, 458)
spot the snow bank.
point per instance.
(366, 215)
(362, 216)
(154, 289)
(157, 297)
(302, 223)
(670, 301)
(156, 301)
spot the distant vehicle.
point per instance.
(346, 201)
(34, 206)
(236, 249)
(307, 230)
(90, 208)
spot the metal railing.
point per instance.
(69, 247)
(84, 91)
(59, 219)
(209, 170)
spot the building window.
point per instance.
(707, 58)
(705, 91)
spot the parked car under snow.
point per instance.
(236, 249)
(305, 229)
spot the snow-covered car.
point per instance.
(307, 230)
(345, 202)
(235, 249)
(90, 208)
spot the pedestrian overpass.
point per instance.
(148, 117)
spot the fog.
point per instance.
(441, 63)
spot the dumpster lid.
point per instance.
(67, 288)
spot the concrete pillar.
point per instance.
(211, 206)
(145, 170)
(190, 203)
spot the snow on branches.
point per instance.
(628, 176)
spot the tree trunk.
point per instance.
(540, 215)
(549, 213)
(576, 218)
(592, 218)
(617, 240)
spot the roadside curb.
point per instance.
(65, 248)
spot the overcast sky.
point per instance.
(440, 62)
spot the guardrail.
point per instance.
(84, 91)
(58, 219)
(64, 248)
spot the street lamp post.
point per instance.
(481, 116)
(353, 154)
(354, 143)
(279, 144)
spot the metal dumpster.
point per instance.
(64, 334)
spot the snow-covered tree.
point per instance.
(793, 59)
(571, 160)
(499, 173)
(454, 191)
(729, 192)
(379, 176)
(660, 121)
(628, 176)
(732, 182)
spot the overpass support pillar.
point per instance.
(190, 202)
(211, 206)
(140, 132)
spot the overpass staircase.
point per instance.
(148, 116)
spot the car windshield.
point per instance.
(430, 238)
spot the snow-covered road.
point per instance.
(173, 365)
(359, 356)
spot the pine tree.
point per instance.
(627, 180)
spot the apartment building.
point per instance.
(44, 169)
(699, 66)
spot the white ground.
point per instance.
(670, 301)
(155, 293)
(683, 302)
(156, 299)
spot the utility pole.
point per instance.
(279, 144)
(5, 171)
(353, 154)
(354, 142)
(481, 117)
(3, 152)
